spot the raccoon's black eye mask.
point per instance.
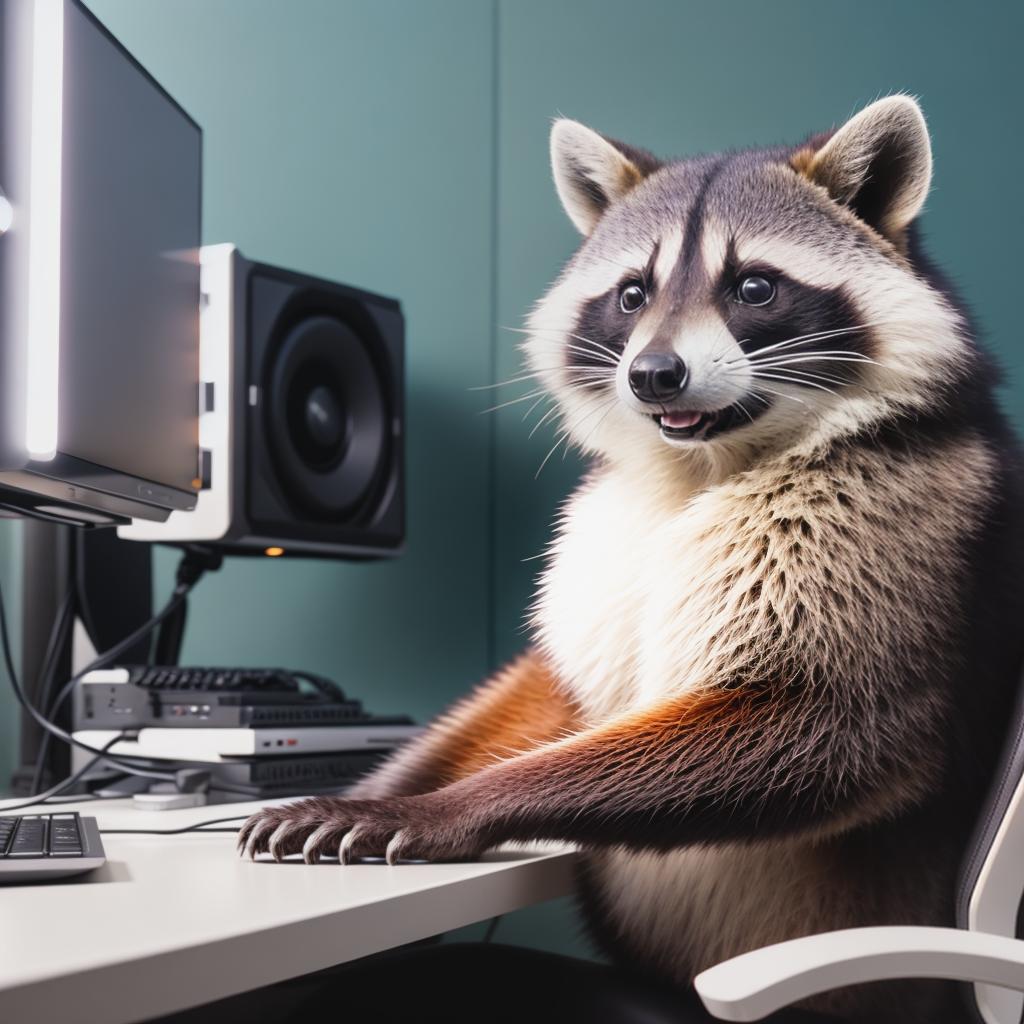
(765, 306)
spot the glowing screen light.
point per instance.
(43, 362)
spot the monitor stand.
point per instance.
(112, 581)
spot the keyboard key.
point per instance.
(68, 850)
(49, 846)
(30, 839)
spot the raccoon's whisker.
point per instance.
(742, 408)
(783, 364)
(822, 335)
(723, 330)
(567, 334)
(536, 373)
(512, 380)
(827, 353)
(791, 366)
(608, 372)
(514, 401)
(835, 332)
(526, 415)
(816, 336)
(584, 382)
(815, 376)
(801, 340)
(780, 394)
(825, 373)
(551, 451)
(755, 390)
(591, 354)
(593, 430)
(796, 380)
(564, 435)
(587, 383)
(615, 356)
(540, 423)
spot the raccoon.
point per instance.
(775, 642)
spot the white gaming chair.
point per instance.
(982, 949)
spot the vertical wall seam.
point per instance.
(492, 435)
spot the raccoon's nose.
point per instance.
(657, 376)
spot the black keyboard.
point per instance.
(41, 846)
(233, 680)
(216, 679)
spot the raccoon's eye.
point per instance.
(755, 290)
(632, 297)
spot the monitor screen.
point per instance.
(100, 170)
(129, 360)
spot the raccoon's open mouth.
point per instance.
(686, 426)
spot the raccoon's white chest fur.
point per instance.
(623, 609)
(629, 611)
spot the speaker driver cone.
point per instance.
(326, 416)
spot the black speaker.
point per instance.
(302, 416)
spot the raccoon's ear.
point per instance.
(879, 164)
(592, 172)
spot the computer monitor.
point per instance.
(99, 275)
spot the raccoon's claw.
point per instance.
(251, 833)
(394, 851)
(410, 828)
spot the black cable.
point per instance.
(58, 636)
(44, 722)
(58, 639)
(169, 638)
(199, 826)
(328, 687)
(90, 798)
(51, 713)
(194, 563)
(67, 783)
(78, 581)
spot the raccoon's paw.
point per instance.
(403, 828)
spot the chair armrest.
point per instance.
(751, 986)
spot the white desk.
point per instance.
(174, 921)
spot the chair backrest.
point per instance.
(991, 885)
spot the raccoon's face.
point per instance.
(723, 304)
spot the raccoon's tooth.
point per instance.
(680, 420)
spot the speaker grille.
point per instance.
(325, 437)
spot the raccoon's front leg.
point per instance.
(722, 764)
(520, 707)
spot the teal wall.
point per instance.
(688, 77)
(402, 146)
